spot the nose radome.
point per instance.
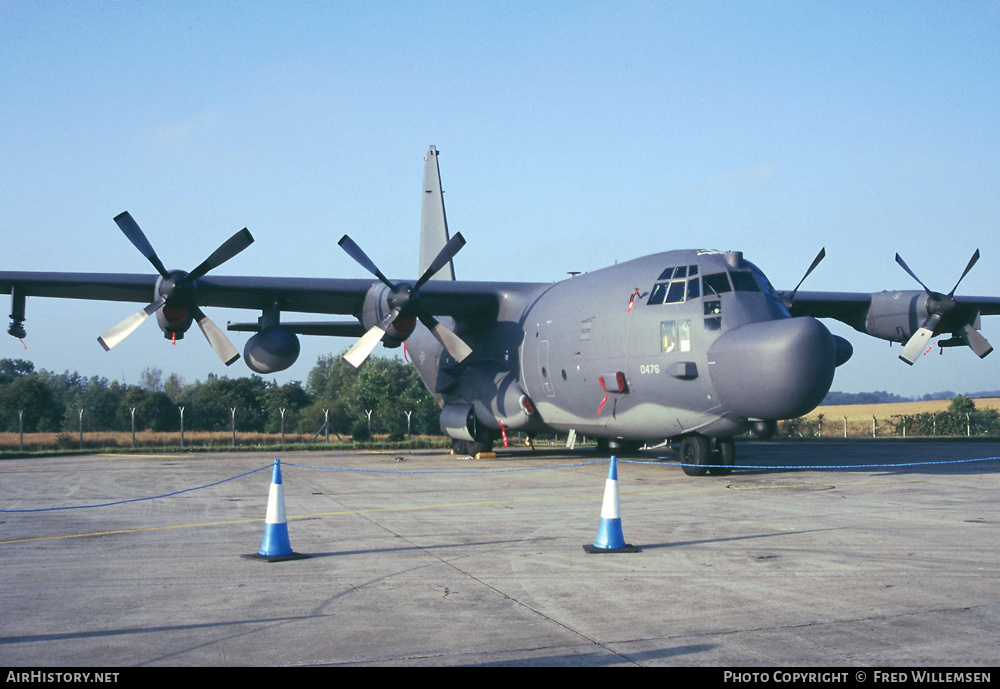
(773, 370)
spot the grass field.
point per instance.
(11, 443)
(884, 411)
(887, 416)
(827, 421)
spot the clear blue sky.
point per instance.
(573, 134)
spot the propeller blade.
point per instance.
(915, 345)
(363, 348)
(819, 257)
(135, 235)
(902, 263)
(231, 247)
(918, 341)
(220, 343)
(977, 343)
(114, 335)
(446, 254)
(453, 344)
(972, 262)
(355, 252)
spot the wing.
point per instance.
(460, 300)
(912, 317)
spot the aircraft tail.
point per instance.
(433, 223)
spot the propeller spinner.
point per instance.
(177, 289)
(405, 301)
(939, 307)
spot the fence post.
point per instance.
(233, 410)
(81, 429)
(968, 425)
(845, 425)
(182, 425)
(873, 426)
(20, 430)
(132, 410)
(282, 410)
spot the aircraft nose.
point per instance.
(773, 370)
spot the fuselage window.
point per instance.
(716, 283)
(668, 336)
(675, 336)
(684, 335)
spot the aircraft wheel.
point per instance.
(695, 455)
(723, 458)
(471, 447)
(478, 446)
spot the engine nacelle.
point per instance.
(377, 307)
(495, 396)
(271, 350)
(894, 316)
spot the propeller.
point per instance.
(405, 301)
(790, 299)
(938, 307)
(178, 288)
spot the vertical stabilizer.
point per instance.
(433, 224)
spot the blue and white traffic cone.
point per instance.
(276, 546)
(610, 538)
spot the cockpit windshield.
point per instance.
(678, 284)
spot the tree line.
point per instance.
(334, 392)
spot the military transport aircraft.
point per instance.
(689, 346)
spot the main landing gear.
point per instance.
(700, 455)
(472, 447)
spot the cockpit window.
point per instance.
(694, 289)
(678, 272)
(675, 293)
(656, 296)
(676, 285)
(743, 281)
(716, 283)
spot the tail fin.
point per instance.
(433, 223)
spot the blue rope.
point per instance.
(821, 467)
(151, 497)
(501, 471)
